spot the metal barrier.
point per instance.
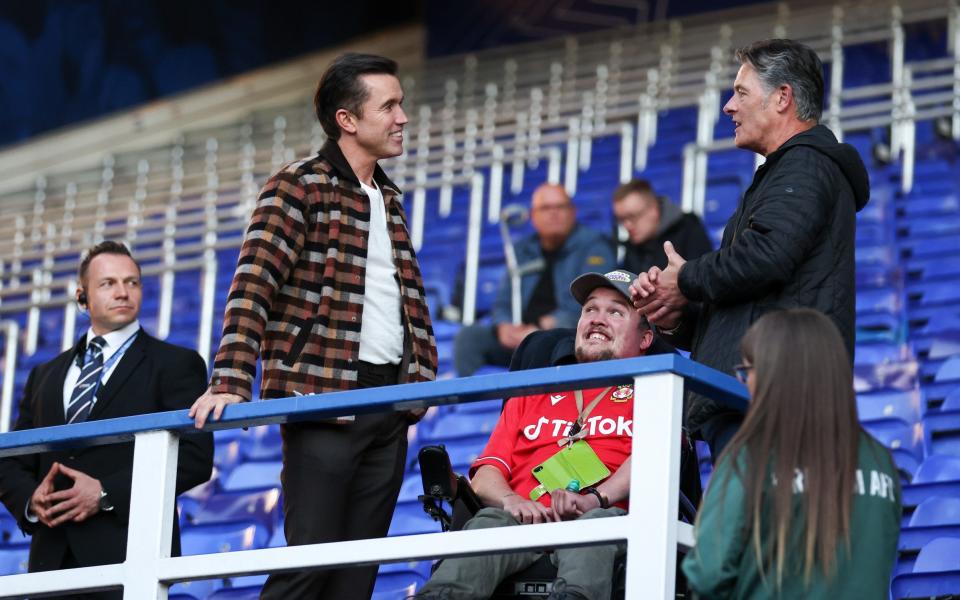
(650, 530)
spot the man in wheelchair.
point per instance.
(557, 457)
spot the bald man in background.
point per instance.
(567, 250)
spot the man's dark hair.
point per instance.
(780, 62)
(106, 247)
(341, 87)
(634, 186)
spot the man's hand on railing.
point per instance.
(76, 503)
(211, 403)
(526, 511)
(567, 505)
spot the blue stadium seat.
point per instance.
(262, 443)
(904, 440)
(936, 205)
(9, 530)
(409, 518)
(454, 425)
(189, 502)
(952, 400)
(411, 488)
(13, 559)
(253, 475)
(941, 432)
(211, 538)
(949, 370)
(199, 589)
(262, 506)
(933, 518)
(244, 593)
(879, 353)
(397, 585)
(226, 455)
(890, 404)
(936, 572)
(482, 406)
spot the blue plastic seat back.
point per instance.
(14, 559)
(409, 518)
(397, 585)
(455, 425)
(253, 475)
(936, 511)
(938, 468)
(262, 506)
(242, 593)
(199, 589)
(892, 404)
(211, 538)
(949, 370)
(941, 554)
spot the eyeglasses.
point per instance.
(553, 207)
(741, 372)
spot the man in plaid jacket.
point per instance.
(328, 294)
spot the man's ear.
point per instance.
(346, 120)
(784, 98)
(646, 341)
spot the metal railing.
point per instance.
(651, 530)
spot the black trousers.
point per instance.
(340, 482)
(70, 562)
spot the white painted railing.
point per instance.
(650, 530)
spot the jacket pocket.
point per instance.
(298, 343)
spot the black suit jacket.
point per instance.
(152, 376)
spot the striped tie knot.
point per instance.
(84, 392)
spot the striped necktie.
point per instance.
(81, 400)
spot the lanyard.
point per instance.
(577, 432)
(111, 361)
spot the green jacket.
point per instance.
(723, 563)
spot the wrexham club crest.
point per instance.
(622, 393)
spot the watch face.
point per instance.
(105, 504)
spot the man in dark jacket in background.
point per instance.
(789, 243)
(650, 221)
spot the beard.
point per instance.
(584, 356)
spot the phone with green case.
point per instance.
(577, 462)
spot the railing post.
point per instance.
(12, 330)
(652, 533)
(473, 250)
(151, 514)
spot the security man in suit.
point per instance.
(75, 503)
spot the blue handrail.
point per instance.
(698, 378)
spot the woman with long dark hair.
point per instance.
(804, 503)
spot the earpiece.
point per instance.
(82, 299)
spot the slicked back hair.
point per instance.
(341, 86)
(779, 62)
(105, 247)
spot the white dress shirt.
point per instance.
(112, 342)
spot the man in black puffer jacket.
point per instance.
(790, 242)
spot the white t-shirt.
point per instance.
(381, 331)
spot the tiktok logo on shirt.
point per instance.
(598, 425)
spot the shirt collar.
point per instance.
(114, 339)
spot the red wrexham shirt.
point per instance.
(530, 426)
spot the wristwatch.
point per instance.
(604, 503)
(105, 504)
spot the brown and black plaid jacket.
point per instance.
(297, 294)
